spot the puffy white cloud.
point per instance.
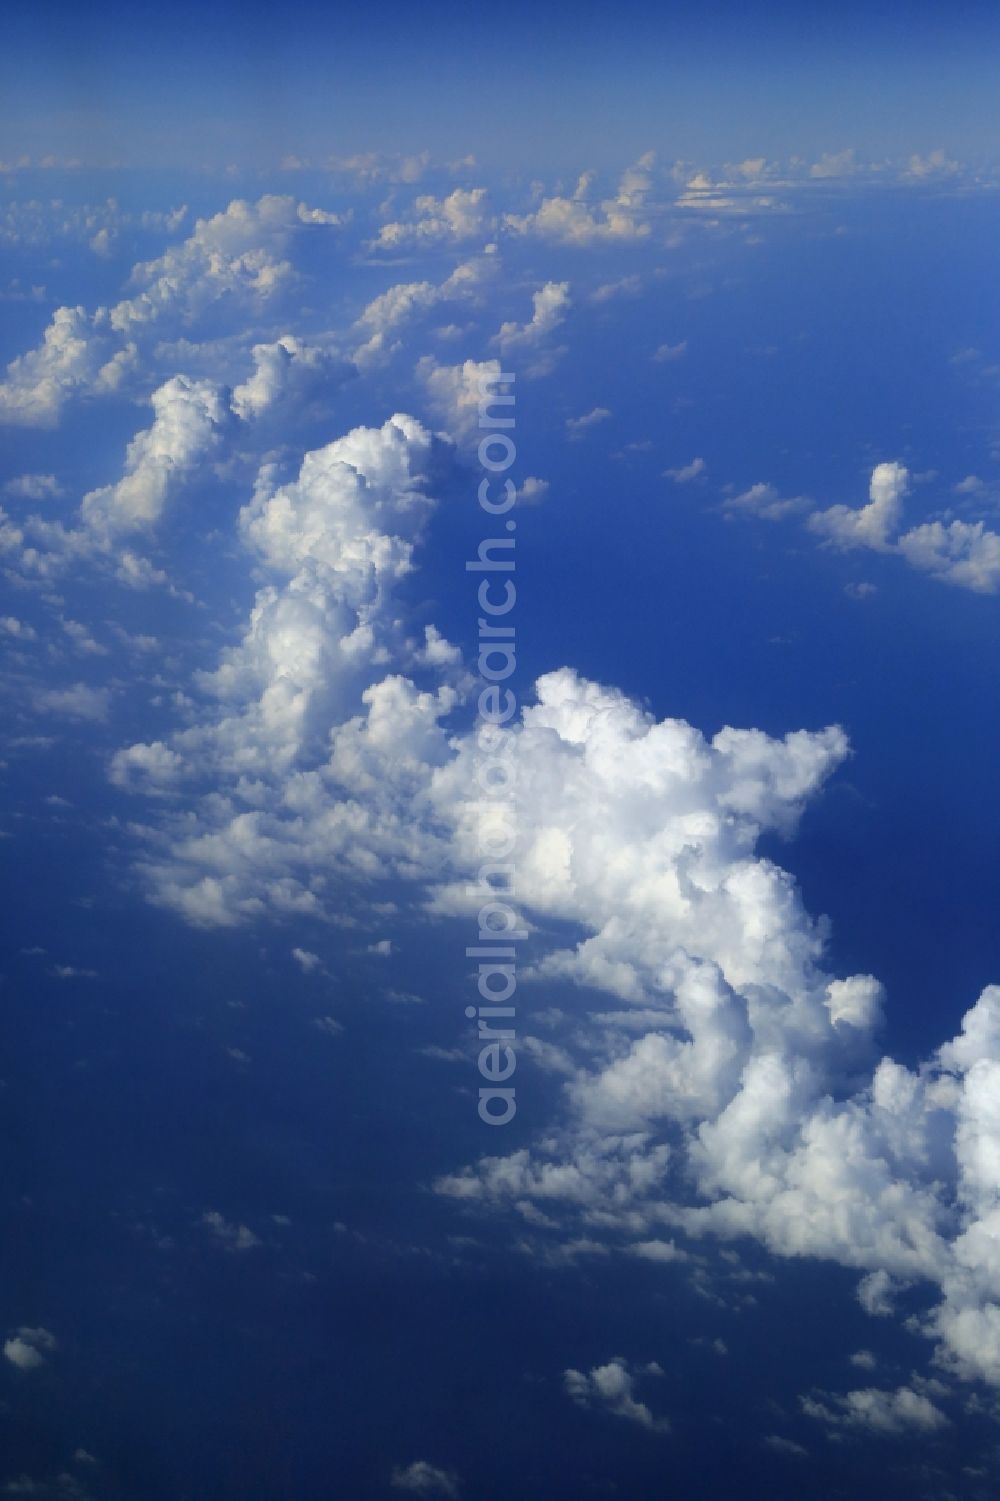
(578, 426)
(857, 1002)
(329, 518)
(464, 215)
(779, 1445)
(612, 1387)
(192, 421)
(598, 1167)
(76, 702)
(385, 316)
(438, 653)
(575, 221)
(16, 291)
(397, 305)
(288, 372)
(685, 473)
(551, 303)
(328, 1025)
(764, 502)
(872, 525)
(454, 392)
(757, 1055)
(934, 164)
(36, 222)
(532, 490)
(885, 1413)
(752, 169)
(33, 487)
(737, 191)
(663, 1251)
(188, 418)
(737, 1095)
(366, 167)
(877, 1293)
(154, 767)
(72, 359)
(83, 643)
(136, 572)
(960, 552)
(102, 243)
(239, 254)
(306, 960)
(307, 215)
(18, 629)
(625, 286)
(231, 1236)
(336, 540)
(27, 1348)
(963, 553)
(834, 164)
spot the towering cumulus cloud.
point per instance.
(304, 712)
(737, 1063)
(188, 416)
(731, 1086)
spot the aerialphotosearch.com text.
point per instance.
(495, 764)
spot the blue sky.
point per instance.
(145, 85)
(256, 270)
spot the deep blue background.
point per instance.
(383, 1324)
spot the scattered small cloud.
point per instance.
(76, 702)
(779, 1445)
(532, 491)
(307, 961)
(17, 629)
(687, 472)
(886, 1413)
(835, 164)
(764, 502)
(27, 1348)
(232, 1236)
(578, 426)
(625, 286)
(612, 1387)
(33, 487)
(423, 1479)
(328, 1025)
(658, 1250)
(935, 164)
